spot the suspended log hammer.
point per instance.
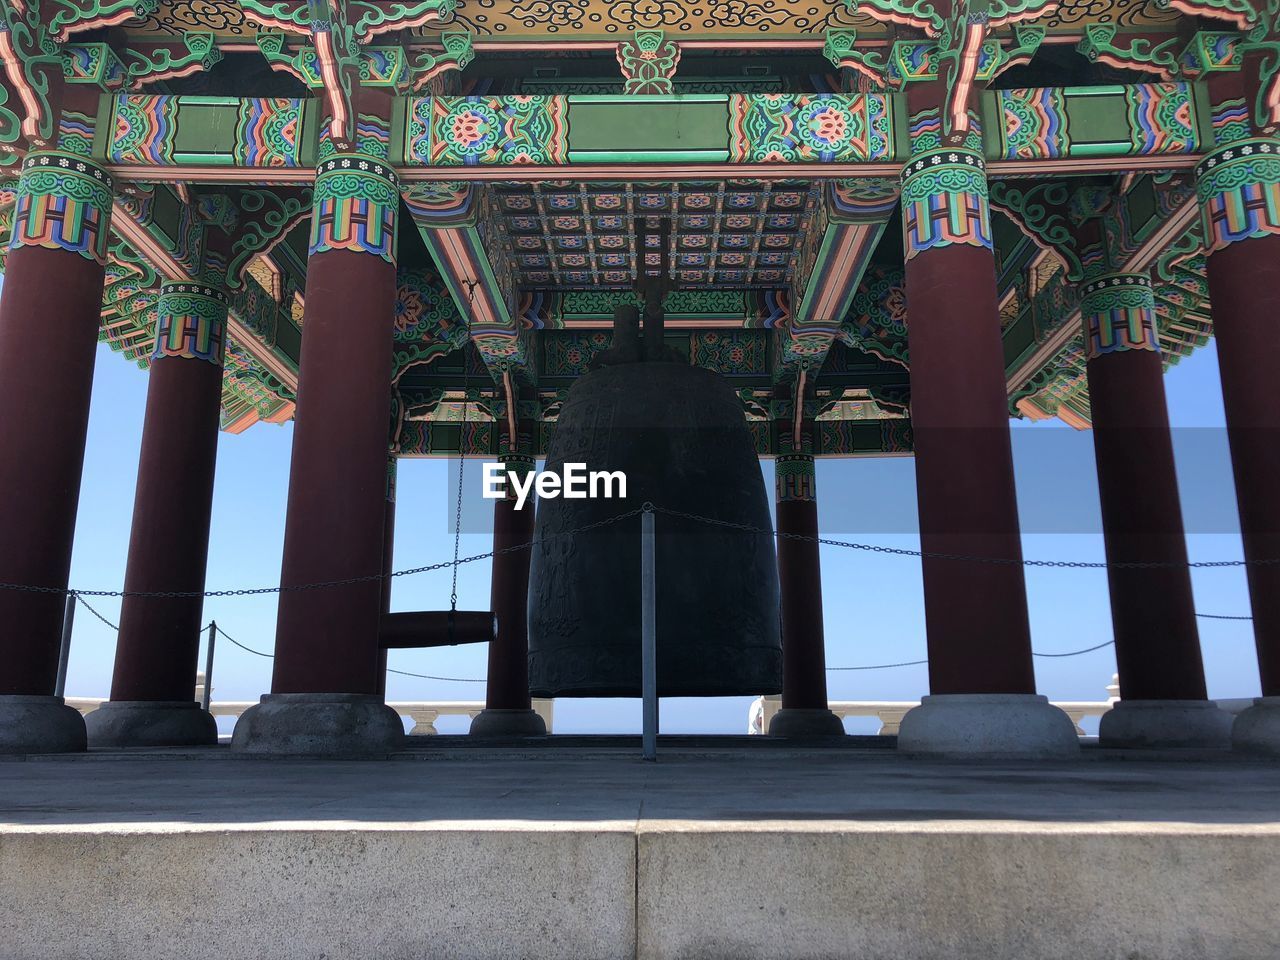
(436, 628)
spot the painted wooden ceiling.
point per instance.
(724, 234)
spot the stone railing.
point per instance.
(891, 712)
(423, 713)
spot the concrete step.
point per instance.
(592, 853)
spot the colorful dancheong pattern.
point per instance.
(944, 201)
(63, 203)
(143, 130)
(1119, 313)
(472, 131)
(1035, 122)
(191, 322)
(267, 132)
(1230, 122)
(1239, 190)
(75, 133)
(373, 139)
(809, 128)
(794, 476)
(1161, 118)
(730, 352)
(355, 202)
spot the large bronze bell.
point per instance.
(679, 435)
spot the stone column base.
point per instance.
(798, 723)
(1165, 725)
(32, 724)
(319, 725)
(995, 725)
(1257, 730)
(507, 723)
(151, 723)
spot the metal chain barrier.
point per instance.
(236, 643)
(403, 673)
(259, 591)
(904, 552)
(85, 603)
(80, 595)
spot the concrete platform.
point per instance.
(741, 848)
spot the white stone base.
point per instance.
(500, 724)
(1165, 725)
(151, 723)
(1004, 726)
(1257, 730)
(949, 890)
(31, 724)
(319, 725)
(799, 724)
(593, 890)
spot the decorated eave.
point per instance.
(522, 178)
(602, 22)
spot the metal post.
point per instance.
(648, 635)
(64, 651)
(208, 666)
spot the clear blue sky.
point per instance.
(872, 604)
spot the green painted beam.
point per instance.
(808, 131)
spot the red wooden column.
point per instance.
(1163, 699)
(48, 336)
(324, 693)
(804, 710)
(507, 711)
(153, 687)
(1239, 188)
(980, 671)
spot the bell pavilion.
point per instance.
(888, 225)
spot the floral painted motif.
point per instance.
(648, 62)
(472, 131)
(191, 322)
(944, 201)
(1118, 312)
(730, 351)
(355, 202)
(809, 128)
(1239, 190)
(426, 321)
(63, 203)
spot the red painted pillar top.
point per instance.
(49, 316)
(1152, 609)
(157, 650)
(1238, 183)
(976, 612)
(327, 637)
